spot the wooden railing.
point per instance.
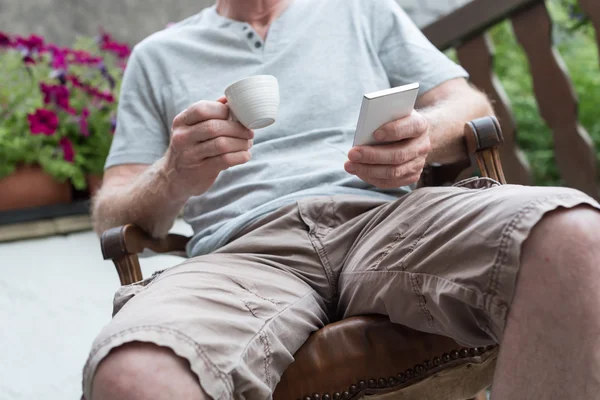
(465, 30)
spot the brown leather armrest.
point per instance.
(131, 239)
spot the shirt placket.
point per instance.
(255, 42)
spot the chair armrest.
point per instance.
(483, 137)
(123, 244)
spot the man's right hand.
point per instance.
(204, 143)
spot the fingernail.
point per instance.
(351, 168)
(379, 135)
(355, 155)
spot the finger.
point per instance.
(222, 145)
(412, 126)
(394, 184)
(394, 153)
(389, 172)
(228, 160)
(201, 111)
(217, 127)
(222, 100)
(190, 135)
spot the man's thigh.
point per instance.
(446, 260)
(237, 320)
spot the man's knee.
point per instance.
(566, 230)
(145, 371)
(565, 244)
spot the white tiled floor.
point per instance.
(55, 296)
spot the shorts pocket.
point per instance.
(258, 304)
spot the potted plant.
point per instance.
(57, 116)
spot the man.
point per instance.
(294, 229)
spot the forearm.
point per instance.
(147, 201)
(447, 113)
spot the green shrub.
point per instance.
(580, 52)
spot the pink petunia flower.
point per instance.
(108, 97)
(43, 121)
(106, 42)
(59, 60)
(5, 40)
(83, 122)
(75, 81)
(82, 57)
(67, 149)
(57, 94)
(33, 43)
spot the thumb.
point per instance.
(222, 100)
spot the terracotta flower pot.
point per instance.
(29, 186)
(94, 182)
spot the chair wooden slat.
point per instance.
(574, 149)
(471, 20)
(477, 57)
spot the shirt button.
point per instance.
(258, 45)
(250, 35)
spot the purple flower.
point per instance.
(59, 74)
(67, 149)
(83, 122)
(107, 75)
(113, 124)
(43, 121)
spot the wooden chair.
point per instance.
(366, 355)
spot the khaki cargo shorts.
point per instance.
(442, 260)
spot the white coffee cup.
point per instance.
(254, 101)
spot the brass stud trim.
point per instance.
(402, 377)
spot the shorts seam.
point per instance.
(476, 293)
(414, 279)
(387, 250)
(177, 334)
(413, 246)
(264, 338)
(268, 321)
(506, 239)
(324, 257)
(318, 246)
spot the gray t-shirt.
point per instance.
(326, 54)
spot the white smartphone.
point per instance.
(379, 108)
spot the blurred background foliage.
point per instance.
(574, 38)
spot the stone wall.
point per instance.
(131, 20)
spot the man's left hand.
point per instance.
(399, 159)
